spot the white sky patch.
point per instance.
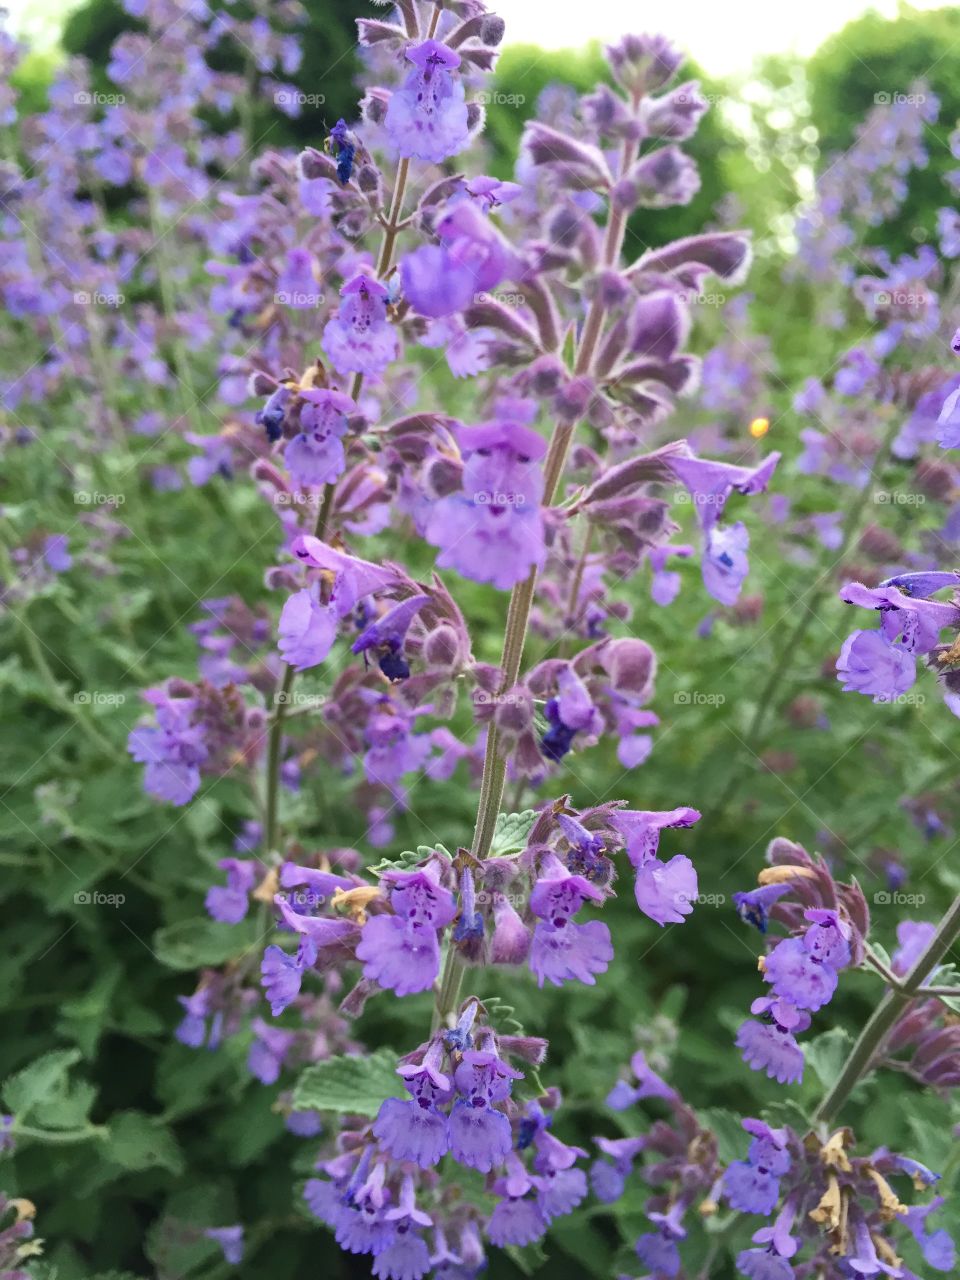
(723, 38)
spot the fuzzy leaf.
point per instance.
(407, 860)
(139, 1141)
(828, 1052)
(511, 831)
(192, 944)
(356, 1086)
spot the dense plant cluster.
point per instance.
(463, 475)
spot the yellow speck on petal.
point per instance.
(759, 428)
(783, 874)
(355, 901)
(707, 1208)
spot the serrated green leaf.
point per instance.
(40, 1082)
(510, 832)
(139, 1141)
(827, 1054)
(729, 1132)
(407, 860)
(193, 944)
(356, 1086)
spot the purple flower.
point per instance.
(471, 259)
(56, 552)
(401, 952)
(753, 906)
(480, 1136)
(937, 1247)
(664, 891)
(948, 423)
(563, 950)
(230, 1240)
(316, 456)
(307, 629)
(797, 975)
(516, 1220)
(427, 117)
(268, 1050)
(913, 938)
(416, 1129)
(173, 751)
(398, 955)
(725, 565)
(360, 339)
(296, 284)
(769, 1047)
(406, 1257)
(386, 636)
(762, 1264)
(869, 664)
(230, 903)
(492, 530)
(282, 974)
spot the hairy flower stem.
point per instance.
(321, 529)
(872, 1037)
(521, 598)
(785, 652)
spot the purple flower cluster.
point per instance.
(828, 924)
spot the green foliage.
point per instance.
(354, 1085)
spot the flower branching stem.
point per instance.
(871, 1039)
(521, 597)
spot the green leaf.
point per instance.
(827, 1054)
(510, 832)
(196, 943)
(356, 1086)
(42, 1083)
(730, 1135)
(139, 1141)
(407, 860)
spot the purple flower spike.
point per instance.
(427, 117)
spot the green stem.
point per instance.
(894, 1003)
(785, 651)
(61, 1136)
(521, 597)
(271, 824)
(56, 692)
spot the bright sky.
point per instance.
(722, 37)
